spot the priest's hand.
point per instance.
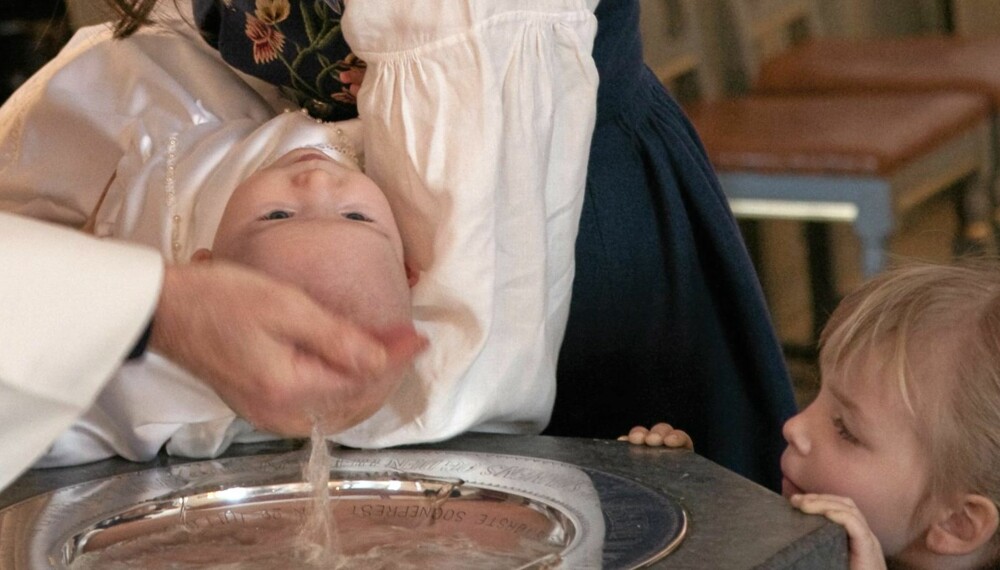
(274, 355)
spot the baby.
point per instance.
(197, 163)
(484, 177)
(287, 198)
(902, 444)
(322, 224)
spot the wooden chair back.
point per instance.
(975, 18)
(673, 48)
(763, 29)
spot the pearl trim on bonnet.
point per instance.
(175, 218)
(341, 149)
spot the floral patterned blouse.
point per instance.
(297, 45)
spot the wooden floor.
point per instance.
(926, 235)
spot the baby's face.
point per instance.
(325, 227)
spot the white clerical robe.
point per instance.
(71, 307)
(478, 118)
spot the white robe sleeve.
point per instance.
(478, 117)
(71, 308)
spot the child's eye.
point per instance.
(845, 433)
(357, 217)
(277, 215)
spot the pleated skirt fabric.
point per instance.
(668, 321)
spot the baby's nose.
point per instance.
(316, 180)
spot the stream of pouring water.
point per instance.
(320, 528)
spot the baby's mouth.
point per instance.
(312, 156)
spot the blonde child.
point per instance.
(902, 444)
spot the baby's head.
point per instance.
(907, 422)
(323, 225)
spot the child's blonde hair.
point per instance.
(900, 314)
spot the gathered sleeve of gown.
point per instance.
(71, 307)
(477, 123)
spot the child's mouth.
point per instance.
(788, 488)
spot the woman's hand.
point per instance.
(353, 78)
(274, 355)
(659, 435)
(865, 550)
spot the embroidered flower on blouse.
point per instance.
(299, 45)
(272, 11)
(344, 96)
(268, 41)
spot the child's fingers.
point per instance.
(815, 503)
(637, 435)
(833, 510)
(857, 529)
(678, 439)
(653, 439)
(662, 429)
(665, 434)
(661, 434)
(865, 550)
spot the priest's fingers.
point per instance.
(337, 341)
(253, 340)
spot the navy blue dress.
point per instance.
(667, 321)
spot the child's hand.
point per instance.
(865, 550)
(660, 434)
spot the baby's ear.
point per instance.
(202, 255)
(411, 276)
(969, 525)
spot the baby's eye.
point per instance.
(358, 217)
(277, 215)
(844, 433)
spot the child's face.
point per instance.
(857, 439)
(328, 228)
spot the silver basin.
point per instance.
(390, 509)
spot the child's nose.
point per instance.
(796, 434)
